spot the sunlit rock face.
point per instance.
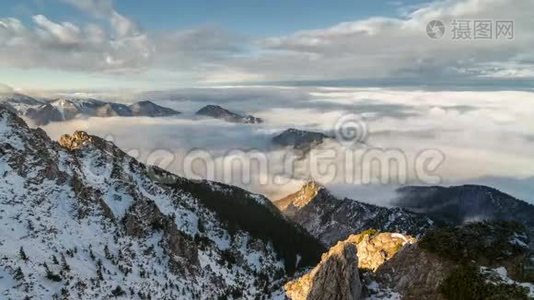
(75, 141)
(374, 249)
(292, 203)
(335, 277)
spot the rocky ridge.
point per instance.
(331, 219)
(456, 205)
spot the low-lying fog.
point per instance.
(432, 137)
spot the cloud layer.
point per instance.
(394, 49)
(483, 138)
(400, 48)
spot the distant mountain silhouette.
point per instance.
(218, 112)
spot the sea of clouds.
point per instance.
(483, 137)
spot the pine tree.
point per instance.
(65, 293)
(106, 252)
(99, 270)
(200, 226)
(18, 274)
(117, 291)
(50, 275)
(22, 254)
(65, 266)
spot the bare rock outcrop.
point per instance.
(374, 249)
(75, 141)
(336, 277)
(296, 201)
(415, 273)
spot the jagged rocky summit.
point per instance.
(338, 274)
(453, 258)
(75, 141)
(336, 277)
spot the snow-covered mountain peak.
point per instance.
(19, 102)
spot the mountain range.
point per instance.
(41, 112)
(82, 220)
(68, 109)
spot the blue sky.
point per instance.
(106, 44)
(255, 17)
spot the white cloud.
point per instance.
(378, 48)
(399, 47)
(67, 46)
(66, 33)
(480, 133)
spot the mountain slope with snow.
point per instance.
(19, 102)
(331, 219)
(83, 220)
